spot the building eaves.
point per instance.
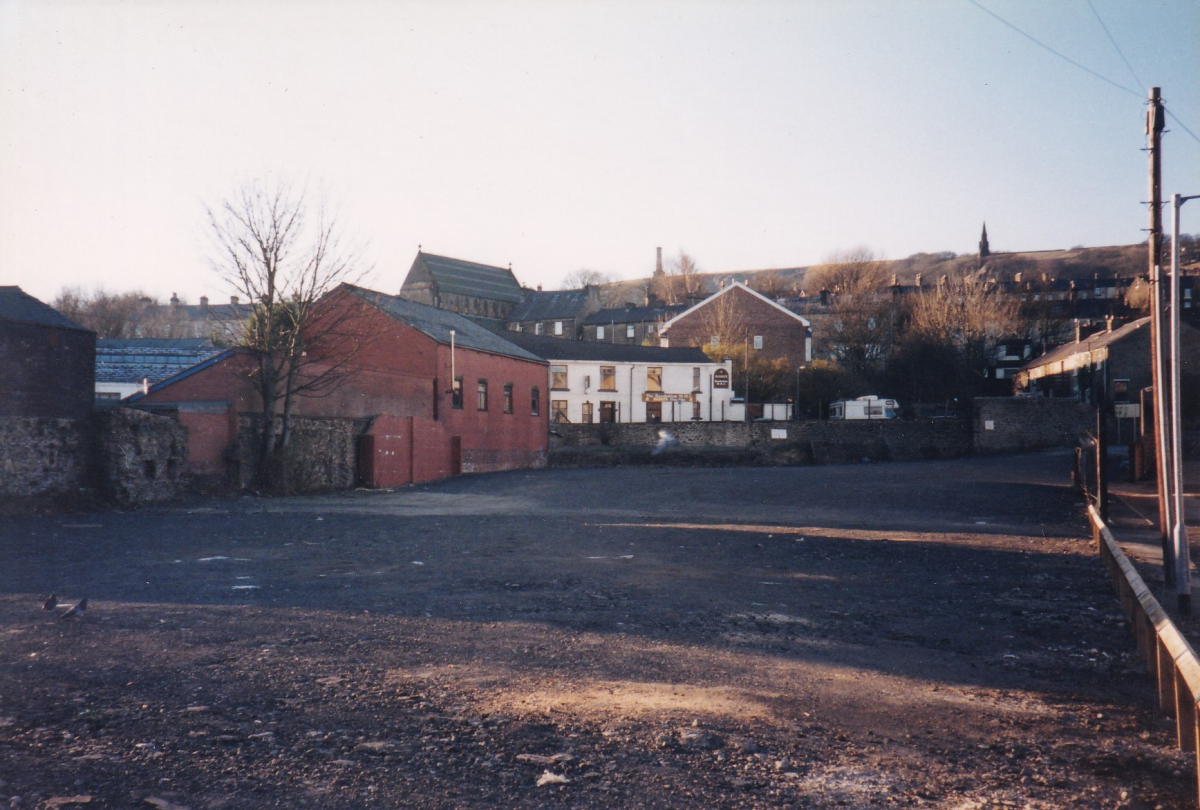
(437, 324)
(1100, 340)
(737, 285)
(18, 305)
(203, 364)
(551, 349)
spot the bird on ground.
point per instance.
(51, 602)
(77, 610)
(665, 440)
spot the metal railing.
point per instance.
(1170, 659)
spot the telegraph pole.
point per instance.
(1154, 128)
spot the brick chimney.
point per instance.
(233, 299)
(658, 268)
(204, 300)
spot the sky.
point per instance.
(557, 135)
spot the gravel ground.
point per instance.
(927, 634)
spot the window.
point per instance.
(629, 331)
(758, 341)
(696, 378)
(599, 333)
(558, 411)
(1121, 390)
(696, 410)
(586, 416)
(535, 401)
(482, 395)
(537, 328)
(654, 378)
(714, 341)
(508, 397)
(558, 378)
(456, 394)
(608, 378)
(558, 327)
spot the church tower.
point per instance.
(984, 252)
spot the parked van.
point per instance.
(868, 407)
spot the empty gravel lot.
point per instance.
(923, 634)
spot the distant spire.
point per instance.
(984, 251)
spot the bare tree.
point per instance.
(578, 279)
(773, 284)
(681, 280)
(848, 272)
(109, 315)
(968, 313)
(863, 316)
(284, 258)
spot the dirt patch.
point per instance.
(629, 638)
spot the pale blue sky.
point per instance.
(560, 135)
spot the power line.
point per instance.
(1062, 56)
(1132, 72)
(1085, 69)
(1185, 129)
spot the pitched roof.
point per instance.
(122, 361)
(558, 349)
(223, 354)
(460, 277)
(18, 305)
(438, 323)
(1088, 344)
(632, 314)
(550, 304)
(737, 285)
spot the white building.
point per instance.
(592, 382)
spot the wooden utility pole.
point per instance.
(1154, 128)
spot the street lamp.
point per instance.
(1183, 583)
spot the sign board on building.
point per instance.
(660, 397)
(721, 378)
(1128, 410)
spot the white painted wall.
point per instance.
(583, 385)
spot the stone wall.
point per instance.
(1007, 424)
(768, 443)
(43, 461)
(142, 457)
(321, 454)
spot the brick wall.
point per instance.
(46, 371)
(783, 335)
(1006, 424)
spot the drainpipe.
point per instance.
(631, 392)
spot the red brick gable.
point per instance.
(742, 314)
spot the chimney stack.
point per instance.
(919, 277)
(204, 300)
(233, 299)
(658, 268)
(174, 300)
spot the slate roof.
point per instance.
(18, 305)
(649, 314)
(437, 323)
(1088, 344)
(550, 305)
(460, 277)
(558, 349)
(131, 361)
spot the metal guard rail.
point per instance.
(1170, 659)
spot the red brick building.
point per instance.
(737, 314)
(441, 394)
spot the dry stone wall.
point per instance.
(41, 460)
(322, 453)
(142, 456)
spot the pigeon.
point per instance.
(665, 440)
(51, 602)
(76, 611)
